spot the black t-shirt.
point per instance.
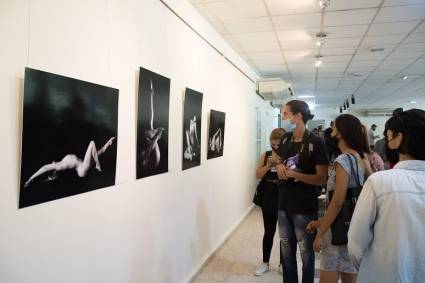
(296, 197)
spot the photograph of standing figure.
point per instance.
(192, 129)
(152, 124)
(216, 134)
(69, 137)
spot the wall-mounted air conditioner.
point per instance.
(274, 89)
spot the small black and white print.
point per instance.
(216, 134)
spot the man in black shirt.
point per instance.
(304, 169)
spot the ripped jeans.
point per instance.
(292, 231)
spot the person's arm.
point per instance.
(42, 170)
(338, 198)
(360, 234)
(318, 179)
(261, 168)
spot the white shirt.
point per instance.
(386, 240)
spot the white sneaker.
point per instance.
(263, 268)
(280, 269)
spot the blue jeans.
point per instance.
(292, 231)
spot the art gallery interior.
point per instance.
(164, 227)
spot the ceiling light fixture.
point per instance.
(412, 102)
(353, 99)
(305, 96)
(404, 78)
(318, 63)
(340, 109)
(324, 3)
(377, 49)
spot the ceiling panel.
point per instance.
(421, 28)
(416, 38)
(255, 37)
(298, 44)
(350, 4)
(351, 17)
(342, 42)
(248, 25)
(402, 2)
(302, 21)
(392, 28)
(345, 31)
(401, 13)
(326, 51)
(237, 9)
(296, 35)
(288, 7)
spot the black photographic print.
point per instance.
(69, 137)
(216, 134)
(192, 120)
(152, 124)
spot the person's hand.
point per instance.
(317, 244)
(281, 172)
(312, 226)
(290, 173)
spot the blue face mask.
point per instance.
(288, 126)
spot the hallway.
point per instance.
(239, 256)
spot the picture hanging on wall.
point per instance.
(69, 137)
(152, 124)
(192, 120)
(216, 134)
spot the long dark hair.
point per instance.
(351, 131)
(299, 106)
(411, 124)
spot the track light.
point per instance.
(353, 99)
(324, 3)
(340, 109)
(345, 107)
(348, 103)
(318, 63)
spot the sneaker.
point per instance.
(263, 268)
(280, 269)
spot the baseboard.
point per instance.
(195, 271)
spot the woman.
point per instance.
(192, 141)
(350, 165)
(73, 162)
(385, 240)
(304, 169)
(375, 161)
(266, 171)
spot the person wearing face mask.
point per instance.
(350, 169)
(266, 171)
(304, 168)
(385, 239)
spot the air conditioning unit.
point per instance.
(274, 89)
(379, 112)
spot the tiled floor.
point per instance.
(238, 258)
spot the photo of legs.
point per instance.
(69, 137)
(152, 124)
(216, 134)
(192, 129)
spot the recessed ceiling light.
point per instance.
(413, 102)
(404, 78)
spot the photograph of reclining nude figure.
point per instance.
(69, 137)
(216, 134)
(152, 124)
(192, 120)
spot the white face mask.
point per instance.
(288, 125)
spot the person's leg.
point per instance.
(305, 242)
(91, 154)
(329, 276)
(288, 246)
(269, 221)
(348, 277)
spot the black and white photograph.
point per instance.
(192, 119)
(216, 134)
(69, 137)
(152, 124)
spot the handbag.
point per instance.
(259, 192)
(339, 228)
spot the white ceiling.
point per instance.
(277, 39)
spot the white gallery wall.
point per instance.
(157, 229)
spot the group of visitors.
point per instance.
(373, 223)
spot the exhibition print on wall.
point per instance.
(192, 119)
(216, 134)
(152, 124)
(69, 137)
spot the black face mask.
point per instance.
(393, 155)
